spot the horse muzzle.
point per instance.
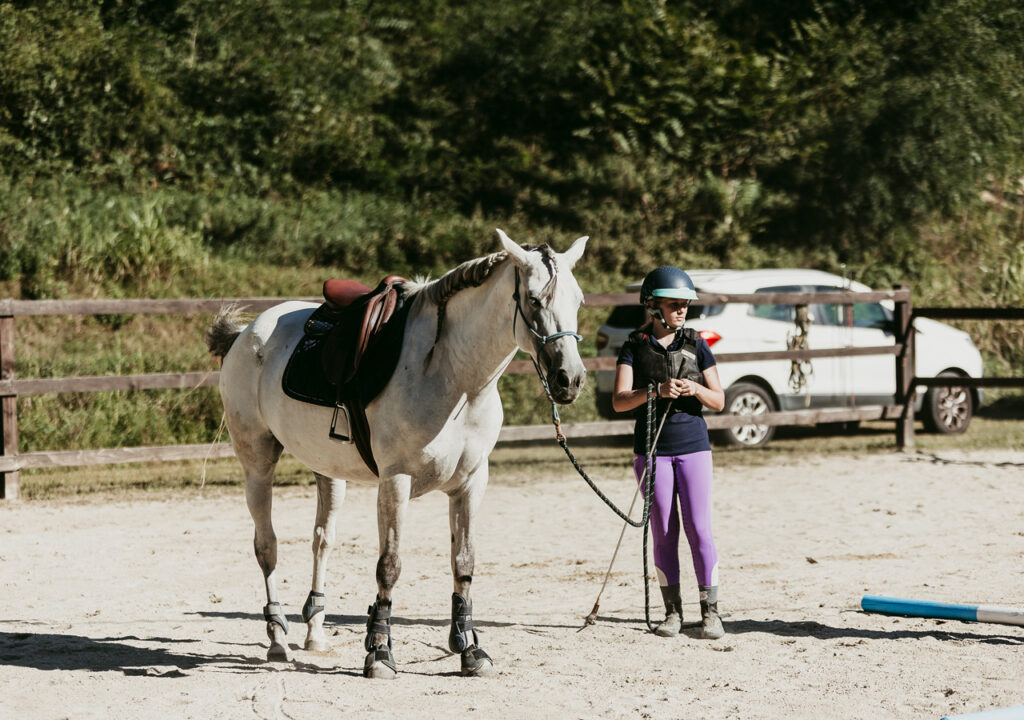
(566, 379)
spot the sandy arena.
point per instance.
(151, 608)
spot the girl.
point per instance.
(680, 365)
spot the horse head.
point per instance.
(548, 300)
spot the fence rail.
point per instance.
(11, 387)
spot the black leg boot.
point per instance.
(711, 624)
(669, 627)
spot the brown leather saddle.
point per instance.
(348, 353)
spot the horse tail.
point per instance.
(226, 326)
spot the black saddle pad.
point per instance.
(305, 377)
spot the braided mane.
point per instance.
(472, 273)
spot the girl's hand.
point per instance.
(677, 388)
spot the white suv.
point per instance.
(753, 387)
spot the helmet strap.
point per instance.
(658, 315)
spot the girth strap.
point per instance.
(462, 635)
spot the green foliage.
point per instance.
(221, 147)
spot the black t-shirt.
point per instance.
(683, 432)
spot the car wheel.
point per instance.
(947, 410)
(747, 399)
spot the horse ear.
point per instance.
(518, 254)
(574, 253)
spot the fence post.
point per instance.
(905, 372)
(8, 403)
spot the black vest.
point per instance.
(653, 363)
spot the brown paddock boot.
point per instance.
(670, 626)
(711, 623)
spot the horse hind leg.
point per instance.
(259, 458)
(462, 638)
(330, 494)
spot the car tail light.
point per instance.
(710, 337)
(602, 340)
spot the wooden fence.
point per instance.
(11, 462)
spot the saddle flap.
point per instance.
(361, 324)
(378, 311)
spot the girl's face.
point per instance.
(673, 310)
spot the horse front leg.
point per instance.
(392, 501)
(462, 638)
(330, 494)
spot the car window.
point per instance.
(871, 315)
(627, 316)
(826, 314)
(865, 315)
(633, 316)
(697, 312)
(775, 312)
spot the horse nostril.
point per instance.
(562, 379)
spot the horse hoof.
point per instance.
(278, 653)
(476, 663)
(319, 646)
(380, 664)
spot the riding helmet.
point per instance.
(667, 282)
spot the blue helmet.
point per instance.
(667, 282)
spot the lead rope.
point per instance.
(647, 480)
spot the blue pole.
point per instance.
(918, 608)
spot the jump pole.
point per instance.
(946, 611)
(1011, 713)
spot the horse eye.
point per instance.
(534, 301)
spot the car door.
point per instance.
(823, 381)
(865, 379)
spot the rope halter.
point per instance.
(542, 340)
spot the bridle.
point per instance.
(542, 339)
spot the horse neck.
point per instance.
(478, 340)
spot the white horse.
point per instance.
(432, 427)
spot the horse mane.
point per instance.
(472, 273)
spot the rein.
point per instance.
(647, 480)
(649, 472)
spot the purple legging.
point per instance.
(687, 477)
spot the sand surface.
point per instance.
(151, 607)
